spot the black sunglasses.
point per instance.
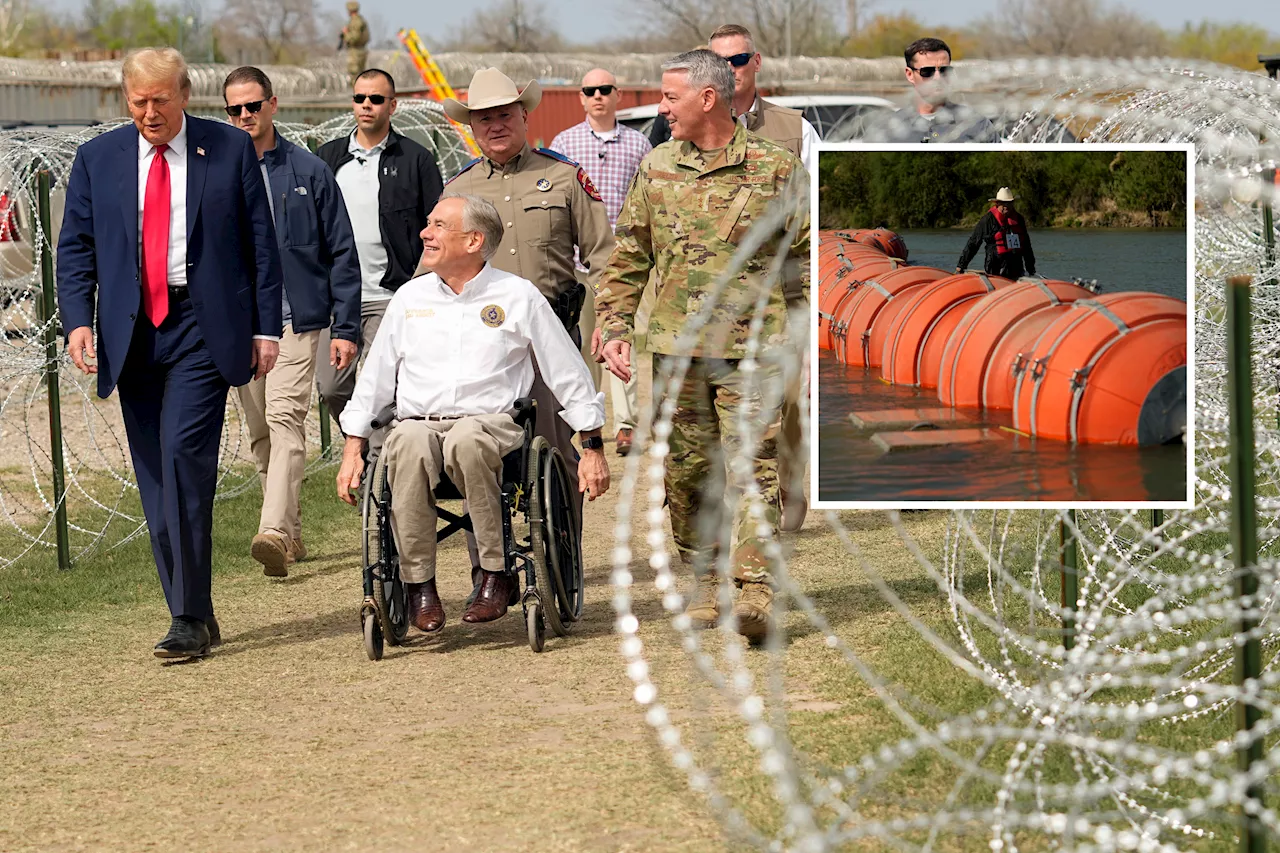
(590, 91)
(233, 110)
(927, 71)
(376, 100)
(738, 59)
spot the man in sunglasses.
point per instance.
(934, 117)
(390, 184)
(789, 128)
(610, 153)
(321, 281)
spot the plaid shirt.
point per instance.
(610, 162)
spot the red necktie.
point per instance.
(155, 240)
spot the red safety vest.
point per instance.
(1012, 236)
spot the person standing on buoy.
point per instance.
(1004, 231)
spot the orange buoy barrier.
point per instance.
(911, 346)
(843, 288)
(880, 238)
(968, 360)
(853, 322)
(840, 246)
(1109, 370)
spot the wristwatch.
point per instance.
(595, 442)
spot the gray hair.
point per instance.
(705, 70)
(479, 214)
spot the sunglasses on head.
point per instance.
(590, 91)
(233, 110)
(738, 59)
(927, 71)
(376, 100)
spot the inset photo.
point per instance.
(1007, 325)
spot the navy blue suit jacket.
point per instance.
(233, 263)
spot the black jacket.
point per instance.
(409, 185)
(1011, 265)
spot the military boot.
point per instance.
(754, 610)
(704, 605)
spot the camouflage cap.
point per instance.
(353, 6)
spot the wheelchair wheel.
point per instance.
(372, 635)
(535, 625)
(540, 535)
(564, 547)
(381, 559)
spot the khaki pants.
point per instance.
(552, 427)
(275, 410)
(337, 386)
(470, 451)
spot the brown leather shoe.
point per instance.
(426, 611)
(493, 599)
(623, 441)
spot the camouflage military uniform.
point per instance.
(685, 219)
(355, 37)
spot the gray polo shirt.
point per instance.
(358, 179)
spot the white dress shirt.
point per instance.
(457, 354)
(176, 157)
(359, 182)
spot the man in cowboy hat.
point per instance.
(355, 38)
(549, 208)
(1004, 231)
(389, 184)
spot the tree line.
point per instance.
(862, 28)
(293, 31)
(946, 189)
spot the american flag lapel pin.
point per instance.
(200, 151)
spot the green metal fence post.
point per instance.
(1070, 578)
(1269, 233)
(48, 310)
(1157, 518)
(1244, 539)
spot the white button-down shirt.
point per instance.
(456, 354)
(176, 157)
(358, 180)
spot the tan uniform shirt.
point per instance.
(548, 206)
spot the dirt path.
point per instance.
(288, 738)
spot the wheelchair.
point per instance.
(537, 504)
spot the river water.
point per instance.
(1010, 467)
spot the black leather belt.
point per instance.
(177, 294)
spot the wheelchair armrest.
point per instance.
(526, 409)
(384, 417)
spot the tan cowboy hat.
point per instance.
(1004, 194)
(491, 88)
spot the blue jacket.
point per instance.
(233, 264)
(317, 246)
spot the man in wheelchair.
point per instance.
(454, 353)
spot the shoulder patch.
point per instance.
(587, 186)
(460, 171)
(556, 155)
